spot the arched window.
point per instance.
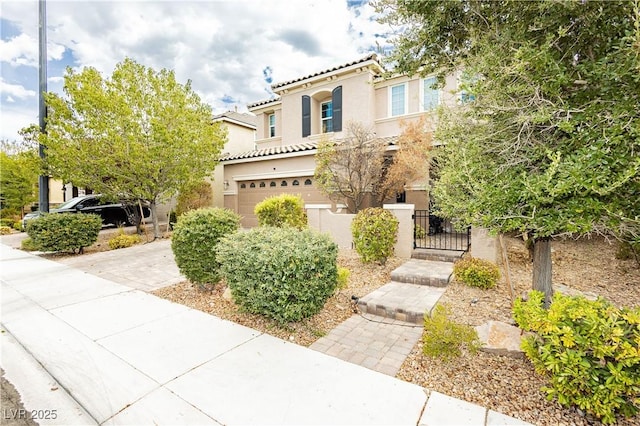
(307, 182)
(243, 185)
(253, 185)
(272, 184)
(283, 183)
(295, 182)
(262, 185)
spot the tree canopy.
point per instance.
(138, 135)
(550, 143)
(20, 168)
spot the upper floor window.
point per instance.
(327, 116)
(272, 125)
(430, 94)
(398, 104)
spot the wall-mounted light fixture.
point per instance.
(226, 185)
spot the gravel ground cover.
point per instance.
(504, 384)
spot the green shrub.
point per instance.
(444, 338)
(589, 349)
(64, 231)
(195, 240)
(282, 210)
(17, 225)
(419, 232)
(477, 272)
(7, 221)
(5, 230)
(194, 197)
(343, 277)
(374, 234)
(283, 273)
(27, 245)
(123, 240)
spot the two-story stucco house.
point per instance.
(307, 109)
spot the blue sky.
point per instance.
(231, 50)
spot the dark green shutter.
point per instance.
(336, 100)
(306, 116)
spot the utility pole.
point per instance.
(43, 180)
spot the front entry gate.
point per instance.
(433, 232)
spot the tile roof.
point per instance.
(275, 150)
(244, 118)
(371, 56)
(263, 102)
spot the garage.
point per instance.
(251, 192)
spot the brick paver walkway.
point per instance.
(378, 344)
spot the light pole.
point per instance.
(43, 180)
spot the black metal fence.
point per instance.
(433, 232)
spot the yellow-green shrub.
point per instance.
(282, 210)
(477, 272)
(343, 277)
(590, 350)
(27, 245)
(123, 240)
(374, 234)
(444, 338)
(5, 230)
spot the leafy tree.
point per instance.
(549, 145)
(349, 169)
(19, 171)
(137, 135)
(196, 196)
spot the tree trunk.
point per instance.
(542, 268)
(154, 217)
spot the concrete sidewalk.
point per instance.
(99, 352)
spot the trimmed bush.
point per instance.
(283, 273)
(590, 350)
(282, 210)
(27, 245)
(7, 221)
(64, 231)
(444, 338)
(476, 272)
(195, 240)
(5, 230)
(123, 240)
(374, 234)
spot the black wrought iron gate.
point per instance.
(433, 232)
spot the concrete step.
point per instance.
(423, 272)
(401, 301)
(439, 255)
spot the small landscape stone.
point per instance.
(500, 338)
(227, 294)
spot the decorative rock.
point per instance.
(227, 294)
(568, 291)
(500, 338)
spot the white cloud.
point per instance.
(15, 90)
(223, 47)
(10, 99)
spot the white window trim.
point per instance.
(422, 89)
(406, 99)
(328, 101)
(270, 126)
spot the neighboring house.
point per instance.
(318, 106)
(241, 137)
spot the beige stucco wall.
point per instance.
(239, 139)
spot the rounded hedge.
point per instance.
(283, 273)
(282, 210)
(195, 239)
(64, 231)
(477, 272)
(375, 231)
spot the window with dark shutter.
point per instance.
(306, 116)
(336, 100)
